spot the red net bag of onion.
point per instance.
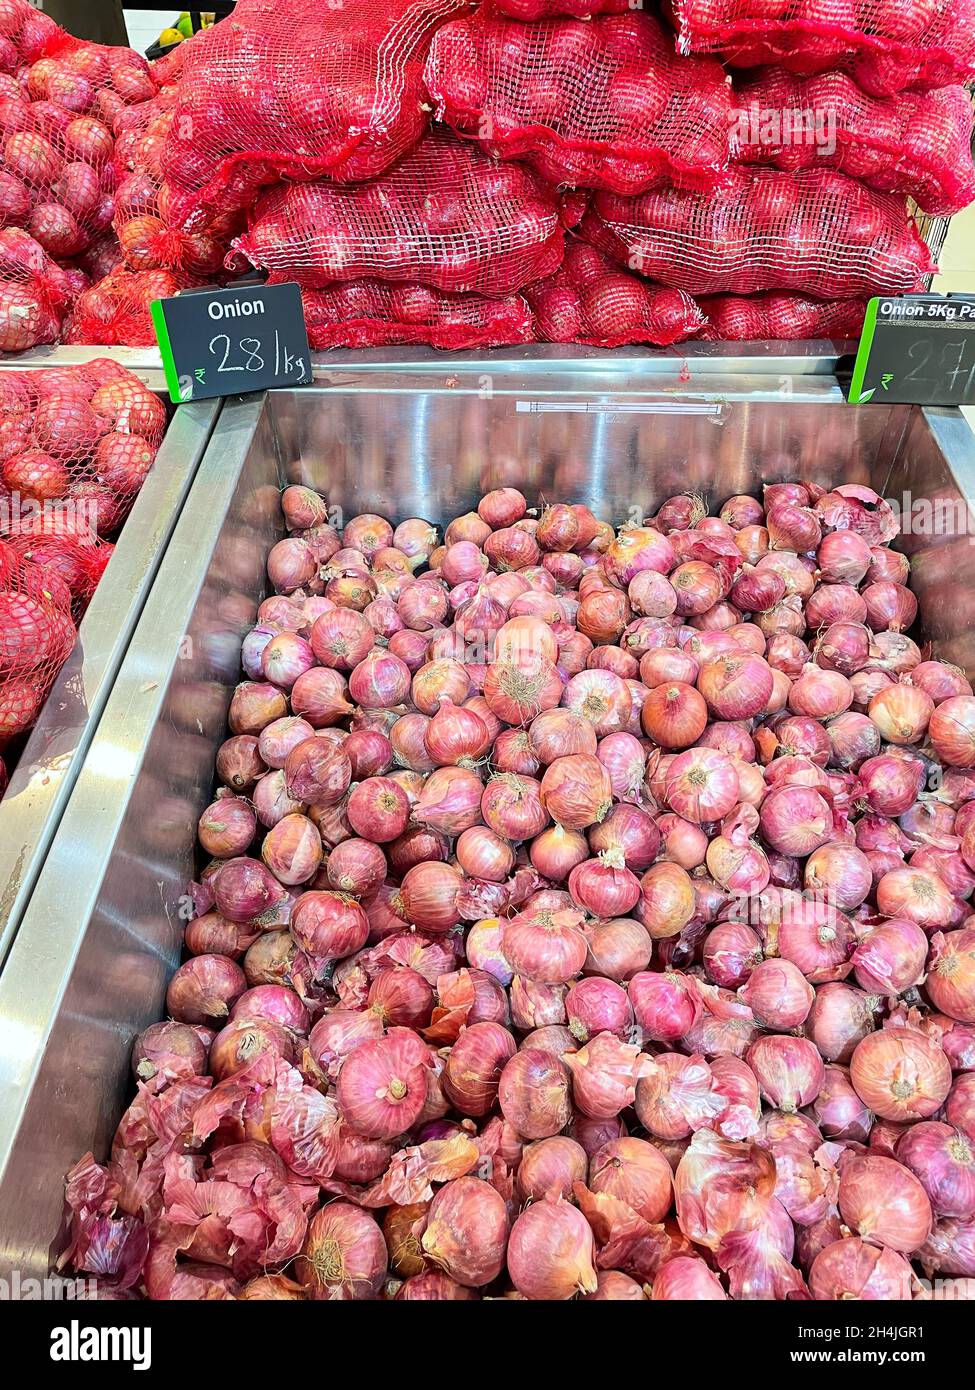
(36, 638)
(732, 318)
(447, 216)
(528, 10)
(76, 444)
(888, 45)
(591, 300)
(35, 292)
(572, 920)
(602, 104)
(371, 313)
(115, 311)
(918, 144)
(297, 89)
(815, 232)
(58, 100)
(148, 238)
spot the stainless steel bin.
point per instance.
(101, 933)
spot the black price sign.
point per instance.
(226, 342)
(917, 349)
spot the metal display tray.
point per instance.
(102, 931)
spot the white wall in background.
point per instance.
(145, 26)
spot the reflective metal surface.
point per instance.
(49, 764)
(771, 358)
(102, 931)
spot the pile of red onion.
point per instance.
(582, 914)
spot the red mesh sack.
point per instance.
(76, 444)
(780, 316)
(606, 104)
(58, 99)
(447, 216)
(36, 638)
(815, 232)
(890, 45)
(529, 10)
(115, 311)
(370, 313)
(35, 294)
(79, 561)
(590, 300)
(300, 89)
(915, 143)
(143, 223)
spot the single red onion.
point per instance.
(551, 1165)
(551, 1252)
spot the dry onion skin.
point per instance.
(572, 922)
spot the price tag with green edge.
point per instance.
(225, 342)
(917, 349)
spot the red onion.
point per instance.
(357, 867)
(344, 1254)
(736, 687)
(853, 740)
(890, 957)
(329, 925)
(474, 1067)
(556, 852)
(243, 1040)
(512, 806)
(604, 887)
(854, 1269)
(502, 507)
(595, 1005)
(534, 1093)
(674, 715)
(467, 1231)
(900, 1074)
(429, 896)
(167, 1052)
(951, 974)
(839, 1019)
(551, 1165)
(778, 995)
(838, 1110)
(484, 950)
(665, 1005)
(382, 1085)
(796, 821)
(576, 791)
(685, 1277)
(227, 827)
(843, 557)
(378, 809)
(667, 900)
(916, 894)
(731, 952)
(617, 949)
(702, 785)
(943, 1161)
(790, 1070)
(891, 785)
(203, 990)
(684, 844)
(243, 889)
(551, 1252)
(883, 1202)
(337, 1034)
(952, 730)
(821, 694)
(635, 1173)
(889, 606)
(604, 1076)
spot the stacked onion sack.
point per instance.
(583, 914)
(59, 99)
(156, 259)
(36, 637)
